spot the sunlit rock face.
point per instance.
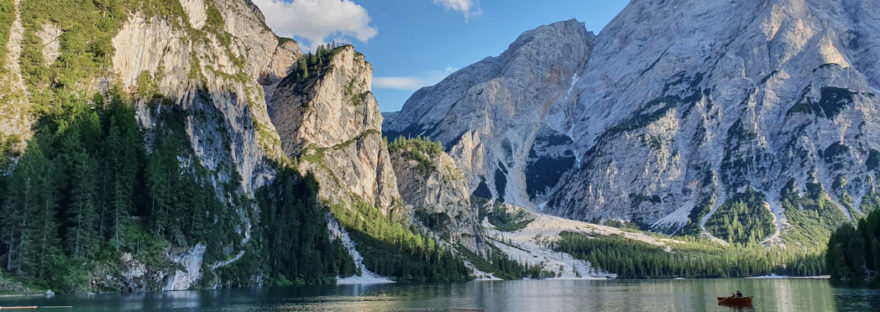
(489, 115)
(213, 77)
(673, 104)
(330, 122)
(438, 194)
(219, 77)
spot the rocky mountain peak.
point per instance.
(330, 101)
(327, 117)
(489, 114)
(675, 112)
(535, 42)
(533, 51)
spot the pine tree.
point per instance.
(82, 234)
(27, 202)
(122, 159)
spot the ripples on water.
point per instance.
(542, 296)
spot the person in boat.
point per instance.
(739, 294)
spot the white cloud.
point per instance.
(467, 8)
(399, 83)
(412, 83)
(317, 20)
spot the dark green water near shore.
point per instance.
(534, 295)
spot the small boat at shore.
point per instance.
(735, 301)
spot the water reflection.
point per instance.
(543, 296)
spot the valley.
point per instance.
(151, 146)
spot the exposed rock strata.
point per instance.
(673, 105)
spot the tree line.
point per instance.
(502, 266)
(854, 252)
(294, 236)
(72, 190)
(634, 259)
(315, 62)
(392, 249)
(92, 185)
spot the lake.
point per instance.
(526, 295)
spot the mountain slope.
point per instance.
(328, 118)
(437, 191)
(489, 115)
(146, 125)
(687, 114)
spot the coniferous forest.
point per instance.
(86, 191)
(630, 258)
(854, 252)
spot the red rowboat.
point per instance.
(735, 301)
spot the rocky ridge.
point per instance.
(330, 122)
(673, 110)
(489, 115)
(437, 192)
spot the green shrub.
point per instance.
(509, 219)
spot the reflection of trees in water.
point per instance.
(524, 295)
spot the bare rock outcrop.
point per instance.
(437, 191)
(674, 108)
(330, 121)
(489, 115)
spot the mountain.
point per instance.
(171, 145)
(330, 124)
(328, 118)
(176, 145)
(135, 114)
(743, 121)
(489, 115)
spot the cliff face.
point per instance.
(490, 114)
(219, 73)
(437, 192)
(729, 96)
(212, 71)
(678, 107)
(201, 59)
(329, 120)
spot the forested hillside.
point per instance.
(172, 145)
(137, 155)
(854, 252)
(87, 193)
(695, 259)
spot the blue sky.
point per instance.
(414, 43)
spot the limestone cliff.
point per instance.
(205, 60)
(437, 191)
(490, 114)
(219, 74)
(673, 110)
(330, 122)
(214, 72)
